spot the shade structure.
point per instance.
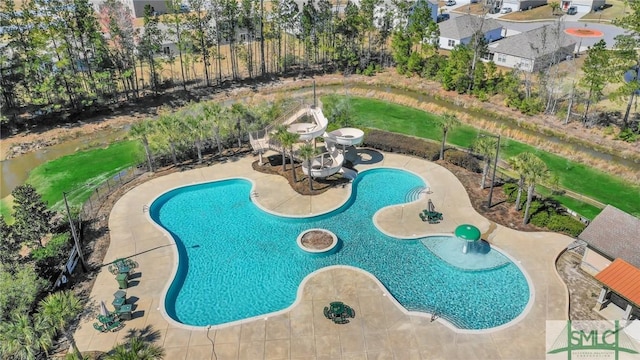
(103, 309)
(468, 232)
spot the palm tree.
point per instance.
(288, 140)
(136, 349)
(212, 115)
(59, 310)
(198, 130)
(536, 173)
(141, 130)
(171, 131)
(486, 147)
(279, 136)
(519, 164)
(447, 122)
(308, 152)
(24, 338)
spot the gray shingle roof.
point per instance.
(616, 234)
(465, 26)
(534, 43)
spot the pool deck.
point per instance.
(381, 329)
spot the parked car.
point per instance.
(443, 17)
(450, 2)
(572, 10)
(505, 10)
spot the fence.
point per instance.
(91, 207)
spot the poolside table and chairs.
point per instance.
(339, 312)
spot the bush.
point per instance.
(628, 135)
(464, 160)
(540, 218)
(402, 144)
(511, 190)
(50, 257)
(565, 224)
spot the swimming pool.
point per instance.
(237, 261)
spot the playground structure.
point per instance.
(337, 143)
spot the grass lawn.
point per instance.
(79, 174)
(538, 13)
(573, 176)
(613, 10)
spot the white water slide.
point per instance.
(328, 163)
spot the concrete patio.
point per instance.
(381, 330)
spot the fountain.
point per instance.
(469, 233)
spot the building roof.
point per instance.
(465, 26)
(534, 43)
(623, 279)
(615, 234)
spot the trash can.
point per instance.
(124, 312)
(122, 280)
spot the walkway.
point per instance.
(381, 329)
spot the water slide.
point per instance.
(315, 125)
(330, 162)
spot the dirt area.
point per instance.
(316, 240)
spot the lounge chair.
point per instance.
(350, 312)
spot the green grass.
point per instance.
(586, 210)
(80, 173)
(5, 211)
(573, 176)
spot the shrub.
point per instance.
(464, 160)
(402, 144)
(511, 190)
(565, 224)
(628, 135)
(540, 218)
(49, 257)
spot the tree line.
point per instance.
(61, 54)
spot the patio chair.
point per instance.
(423, 217)
(327, 314)
(99, 327)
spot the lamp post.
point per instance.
(495, 166)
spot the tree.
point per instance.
(198, 130)
(141, 130)
(9, 244)
(628, 56)
(59, 310)
(519, 164)
(20, 289)
(31, 214)
(447, 122)
(24, 338)
(536, 172)
(288, 140)
(212, 113)
(150, 43)
(486, 147)
(136, 349)
(555, 6)
(307, 152)
(171, 132)
(280, 136)
(596, 73)
(175, 22)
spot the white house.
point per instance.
(460, 30)
(521, 5)
(532, 50)
(583, 6)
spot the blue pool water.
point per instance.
(236, 261)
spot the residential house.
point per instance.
(532, 50)
(460, 30)
(583, 6)
(522, 5)
(612, 256)
(611, 235)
